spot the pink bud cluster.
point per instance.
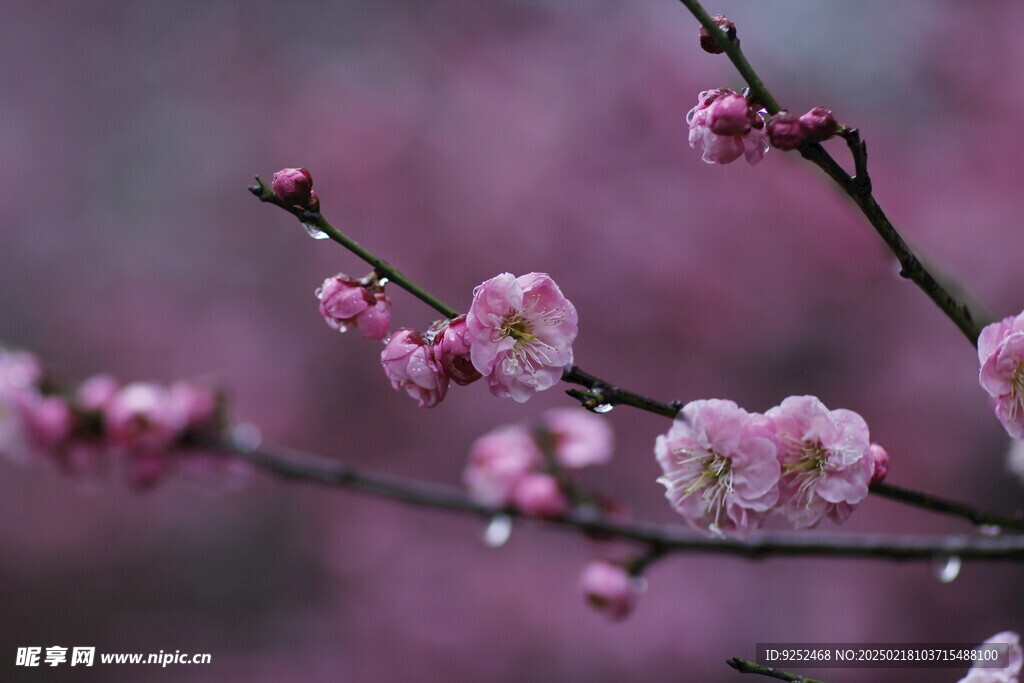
(726, 469)
(85, 430)
(529, 468)
(787, 131)
(518, 335)
(346, 302)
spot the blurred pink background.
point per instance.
(459, 140)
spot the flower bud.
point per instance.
(708, 43)
(540, 496)
(453, 351)
(729, 115)
(95, 393)
(48, 420)
(294, 187)
(784, 131)
(142, 417)
(609, 589)
(411, 364)
(818, 124)
(881, 463)
(345, 302)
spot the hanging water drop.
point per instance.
(383, 281)
(342, 328)
(498, 531)
(990, 529)
(947, 568)
(314, 232)
(246, 437)
(319, 293)
(603, 408)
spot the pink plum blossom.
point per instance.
(724, 149)
(201, 404)
(48, 421)
(522, 330)
(498, 461)
(720, 465)
(95, 393)
(141, 417)
(609, 588)
(578, 437)
(826, 463)
(1001, 353)
(346, 302)
(411, 363)
(1007, 669)
(540, 495)
(454, 342)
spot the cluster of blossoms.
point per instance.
(1007, 668)
(529, 467)
(518, 333)
(143, 427)
(1001, 354)
(726, 469)
(728, 125)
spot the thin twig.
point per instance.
(665, 539)
(857, 188)
(946, 507)
(747, 667)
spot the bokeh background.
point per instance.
(461, 139)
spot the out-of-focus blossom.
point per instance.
(412, 364)
(1001, 353)
(578, 437)
(142, 417)
(48, 421)
(540, 495)
(1007, 669)
(709, 44)
(826, 464)
(720, 465)
(724, 149)
(95, 393)
(147, 467)
(609, 589)
(346, 302)
(294, 187)
(523, 329)
(498, 461)
(879, 463)
(819, 124)
(20, 373)
(453, 343)
(201, 404)
(785, 131)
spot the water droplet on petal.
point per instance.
(383, 281)
(604, 408)
(342, 328)
(990, 529)
(498, 531)
(314, 232)
(246, 437)
(946, 569)
(319, 293)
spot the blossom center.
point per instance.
(808, 467)
(714, 477)
(517, 327)
(1017, 391)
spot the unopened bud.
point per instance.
(784, 131)
(881, 463)
(707, 41)
(818, 124)
(729, 115)
(294, 187)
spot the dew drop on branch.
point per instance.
(246, 437)
(498, 531)
(990, 529)
(603, 408)
(946, 568)
(314, 232)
